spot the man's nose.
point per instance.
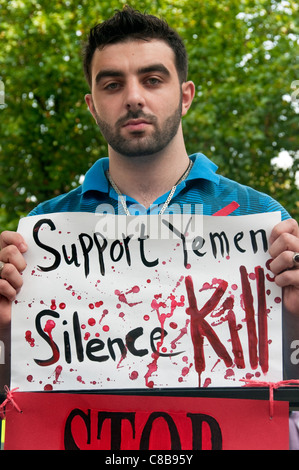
(134, 98)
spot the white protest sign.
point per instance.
(116, 302)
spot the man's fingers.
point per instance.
(288, 279)
(7, 290)
(286, 242)
(286, 226)
(12, 246)
(12, 276)
(282, 262)
(11, 255)
(5, 309)
(12, 238)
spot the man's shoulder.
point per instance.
(81, 198)
(68, 202)
(251, 200)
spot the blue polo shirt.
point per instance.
(203, 192)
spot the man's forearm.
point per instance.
(4, 358)
(290, 325)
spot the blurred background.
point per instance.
(244, 60)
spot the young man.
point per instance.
(136, 67)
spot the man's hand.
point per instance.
(284, 242)
(12, 247)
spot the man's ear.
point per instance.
(89, 102)
(188, 91)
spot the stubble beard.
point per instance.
(138, 144)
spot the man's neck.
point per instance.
(147, 178)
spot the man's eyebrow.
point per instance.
(154, 68)
(106, 73)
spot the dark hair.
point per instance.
(131, 24)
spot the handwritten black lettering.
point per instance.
(93, 346)
(47, 248)
(222, 237)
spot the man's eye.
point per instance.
(112, 86)
(153, 81)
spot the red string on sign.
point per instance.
(272, 386)
(9, 399)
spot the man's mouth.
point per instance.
(136, 124)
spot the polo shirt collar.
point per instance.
(203, 168)
(95, 179)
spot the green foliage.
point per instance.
(243, 60)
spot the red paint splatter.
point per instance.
(229, 373)
(91, 321)
(207, 382)
(186, 370)
(173, 305)
(178, 283)
(29, 378)
(29, 338)
(50, 324)
(152, 367)
(183, 331)
(217, 362)
(48, 388)
(53, 305)
(58, 371)
(157, 305)
(122, 296)
(105, 312)
(134, 375)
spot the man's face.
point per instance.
(136, 96)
